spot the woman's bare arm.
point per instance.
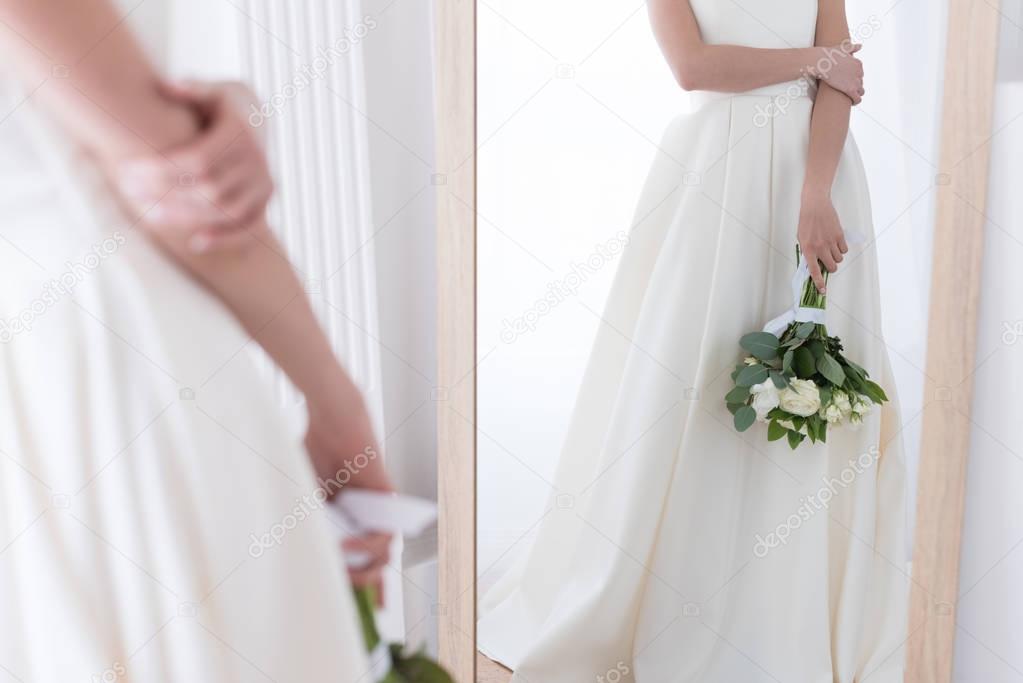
(820, 234)
(101, 87)
(734, 68)
(829, 124)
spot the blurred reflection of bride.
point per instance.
(143, 455)
(675, 549)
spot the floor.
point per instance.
(489, 671)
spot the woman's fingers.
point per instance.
(829, 262)
(815, 270)
(370, 579)
(200, 159)
(376, 546)
(237, 197)
(361, 578)
(836, 255)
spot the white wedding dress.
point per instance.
(143, 455)
(677, 550)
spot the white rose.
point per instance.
(841, 399)
(838, 409)
(765, 398)
(800, 397)
(831, 413)
(863, 407)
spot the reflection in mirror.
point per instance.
(660, 496)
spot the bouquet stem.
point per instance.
(812, 298)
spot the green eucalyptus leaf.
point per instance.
(751, 374)
(856, 368)
(804, 363)
(805, 330)
(737, 395)
(762, 345)
(811, 429)
(875, 392)
(831, 370)
(775, 431)
(786, 361)
(733, 408)
(418, 668)
(779, 379)
(795, 438)
(744, 418)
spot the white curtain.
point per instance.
(897, 128)
(989, 642)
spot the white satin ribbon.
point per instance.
(380, 662)
(797, 313)
(802, 314)
(359, 511)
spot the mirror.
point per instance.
(630, 234)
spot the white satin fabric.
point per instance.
(677, 550)
(142, 458)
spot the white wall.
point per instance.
(399, 88)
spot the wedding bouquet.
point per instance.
(400, 666)
(356, 511)
(795, 378)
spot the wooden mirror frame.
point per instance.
(962, 184)
(455, 178)
(958, 246)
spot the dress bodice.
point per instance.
(757, 23)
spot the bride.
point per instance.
(674, 548)
(147, 475)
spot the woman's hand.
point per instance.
(376, 548)
(218, 184)
(338, 469)
(820, 235)
(843, 72)
(345, 455)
